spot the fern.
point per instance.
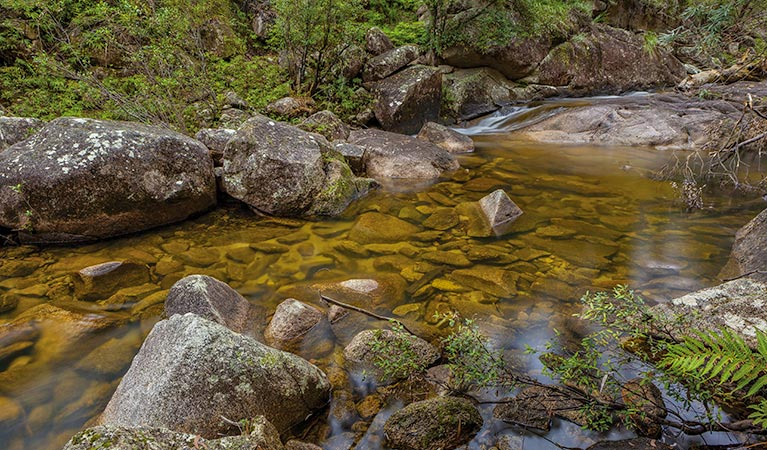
(722, 357)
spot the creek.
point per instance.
(593, 219)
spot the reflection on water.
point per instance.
(592, 220)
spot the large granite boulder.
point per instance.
(279, 169)
(392, 155)
(514, 59)
(749, 251)
(385, 64)
(209, 298)
(408, 99)
(191, 372)
(16, 129)
(85, 179)
(669, 122)
(474, 92)
(607, 60)
(441, 422)
(262, 436)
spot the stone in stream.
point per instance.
(191, 372)
(641, 443)
(102, 280)
(16, 129)
(85, 179)
(279, 169)
(445, 138)
(209, 298)
(371, 346)
(257, 434)
(499, 210)
(374, 227)
(299, 328)
(392, 155)
(441, 422)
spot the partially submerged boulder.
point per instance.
(392, 155)
(16, 129)
(299, 328)
(408, 99)
(372, 346)
(263, 436)
(499, 210)
(645, 401)
(441, 422)
(209, 298)
(84, 179)
(191, 372)
(387, 63)
(445, 138)
(279, 169)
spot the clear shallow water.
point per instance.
(592, 220)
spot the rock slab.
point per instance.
(190, 372)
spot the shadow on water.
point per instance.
(593, 219)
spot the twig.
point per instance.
(364, 311)
(747, 274)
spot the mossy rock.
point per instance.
(442, 422)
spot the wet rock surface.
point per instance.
(749, 251)
(299, 328)
(102, 280)
(474, 92)
(191, 371)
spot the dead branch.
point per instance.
(364, 311)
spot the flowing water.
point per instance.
(593, 219)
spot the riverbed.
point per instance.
(594, 217)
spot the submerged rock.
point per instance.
(261, 436)
(279, 169)
(392, 155)
(408, 99)
(16, 129)
(85, 179)
(102, 280)
(191, 372)
(373, 227)
(211, 299)
(441, 422)
(630, 444)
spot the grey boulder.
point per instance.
(209, 298)
(370, 346)
(445, 138)
(441, 422)
(279, 169)
(392, 155)
(85, 179)
(749, 251)
(191, 372)
(387, 63)
(16, 129)
(408, 99)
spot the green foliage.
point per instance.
(405, 32)
(314, 34)
(395, 357)
(472, 363)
